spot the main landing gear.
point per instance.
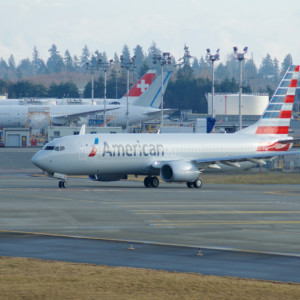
(62, 184)
(151, 182)
(196, 184)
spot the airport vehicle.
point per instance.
(144, 101)
(175, 157)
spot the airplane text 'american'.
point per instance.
(133, 149)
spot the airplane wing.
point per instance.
(167, 111)
(230, 160)
(76, 116)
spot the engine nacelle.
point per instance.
(179, 171)
(109, 177)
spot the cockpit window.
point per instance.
(49, 148)
(59, 148)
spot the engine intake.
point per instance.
(179, 171)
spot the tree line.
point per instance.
(190, 81)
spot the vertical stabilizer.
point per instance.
(276, 118)
(152, 97)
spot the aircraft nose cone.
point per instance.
(40, 161)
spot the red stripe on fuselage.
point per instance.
(272, 130)
(297, 69)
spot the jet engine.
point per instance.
(179, 171)
(109, 177)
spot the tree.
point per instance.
(126, 53)
(12, 63)
(139, 58)
(276, 69)
(3, 68)
(37, 64)
(68, 62)
(24, 68)
(63, 90)
(287, 62)
(266, 69)
(55, 62)
(85, 57)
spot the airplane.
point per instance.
(136, 91)
(144, 103)
(176, 158)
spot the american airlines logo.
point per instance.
(136, 149)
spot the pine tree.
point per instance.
(55, 62)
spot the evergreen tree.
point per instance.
(12, 63)
(68, 62)
(24, 68)
(139, 58)
(266, 69)
(276, 70)
(55, 62)
(85, 57)
(287, 62)
(76, 63)
(3, 69)
(37, 64)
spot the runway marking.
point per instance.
(210, 212)
(264, 230)
(185, 203)
(164, 223)
(282, 193)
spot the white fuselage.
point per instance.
(19, 115)
(139, 153)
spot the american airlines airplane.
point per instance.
(176, 158)
(144, 97)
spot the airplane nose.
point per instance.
(40, 161)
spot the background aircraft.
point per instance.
(176, 158)
(142, 108)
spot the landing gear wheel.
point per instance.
(62, 184)
(197, 183)
(147, 181)
(190, 184)
(154, 182)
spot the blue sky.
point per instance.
(264, 26)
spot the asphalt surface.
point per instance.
(159, 257)
(248, 231)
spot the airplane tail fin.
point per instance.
(141, 86)
(152, 98)
(276, 118)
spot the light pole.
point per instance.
(92, 68)
(240, 56)
(129, 65)
(164, 59)
(212, 58)
(104, 66)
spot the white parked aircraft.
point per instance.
(142, 108)
(176, 158)
(137, 90)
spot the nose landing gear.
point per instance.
(62, 184)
